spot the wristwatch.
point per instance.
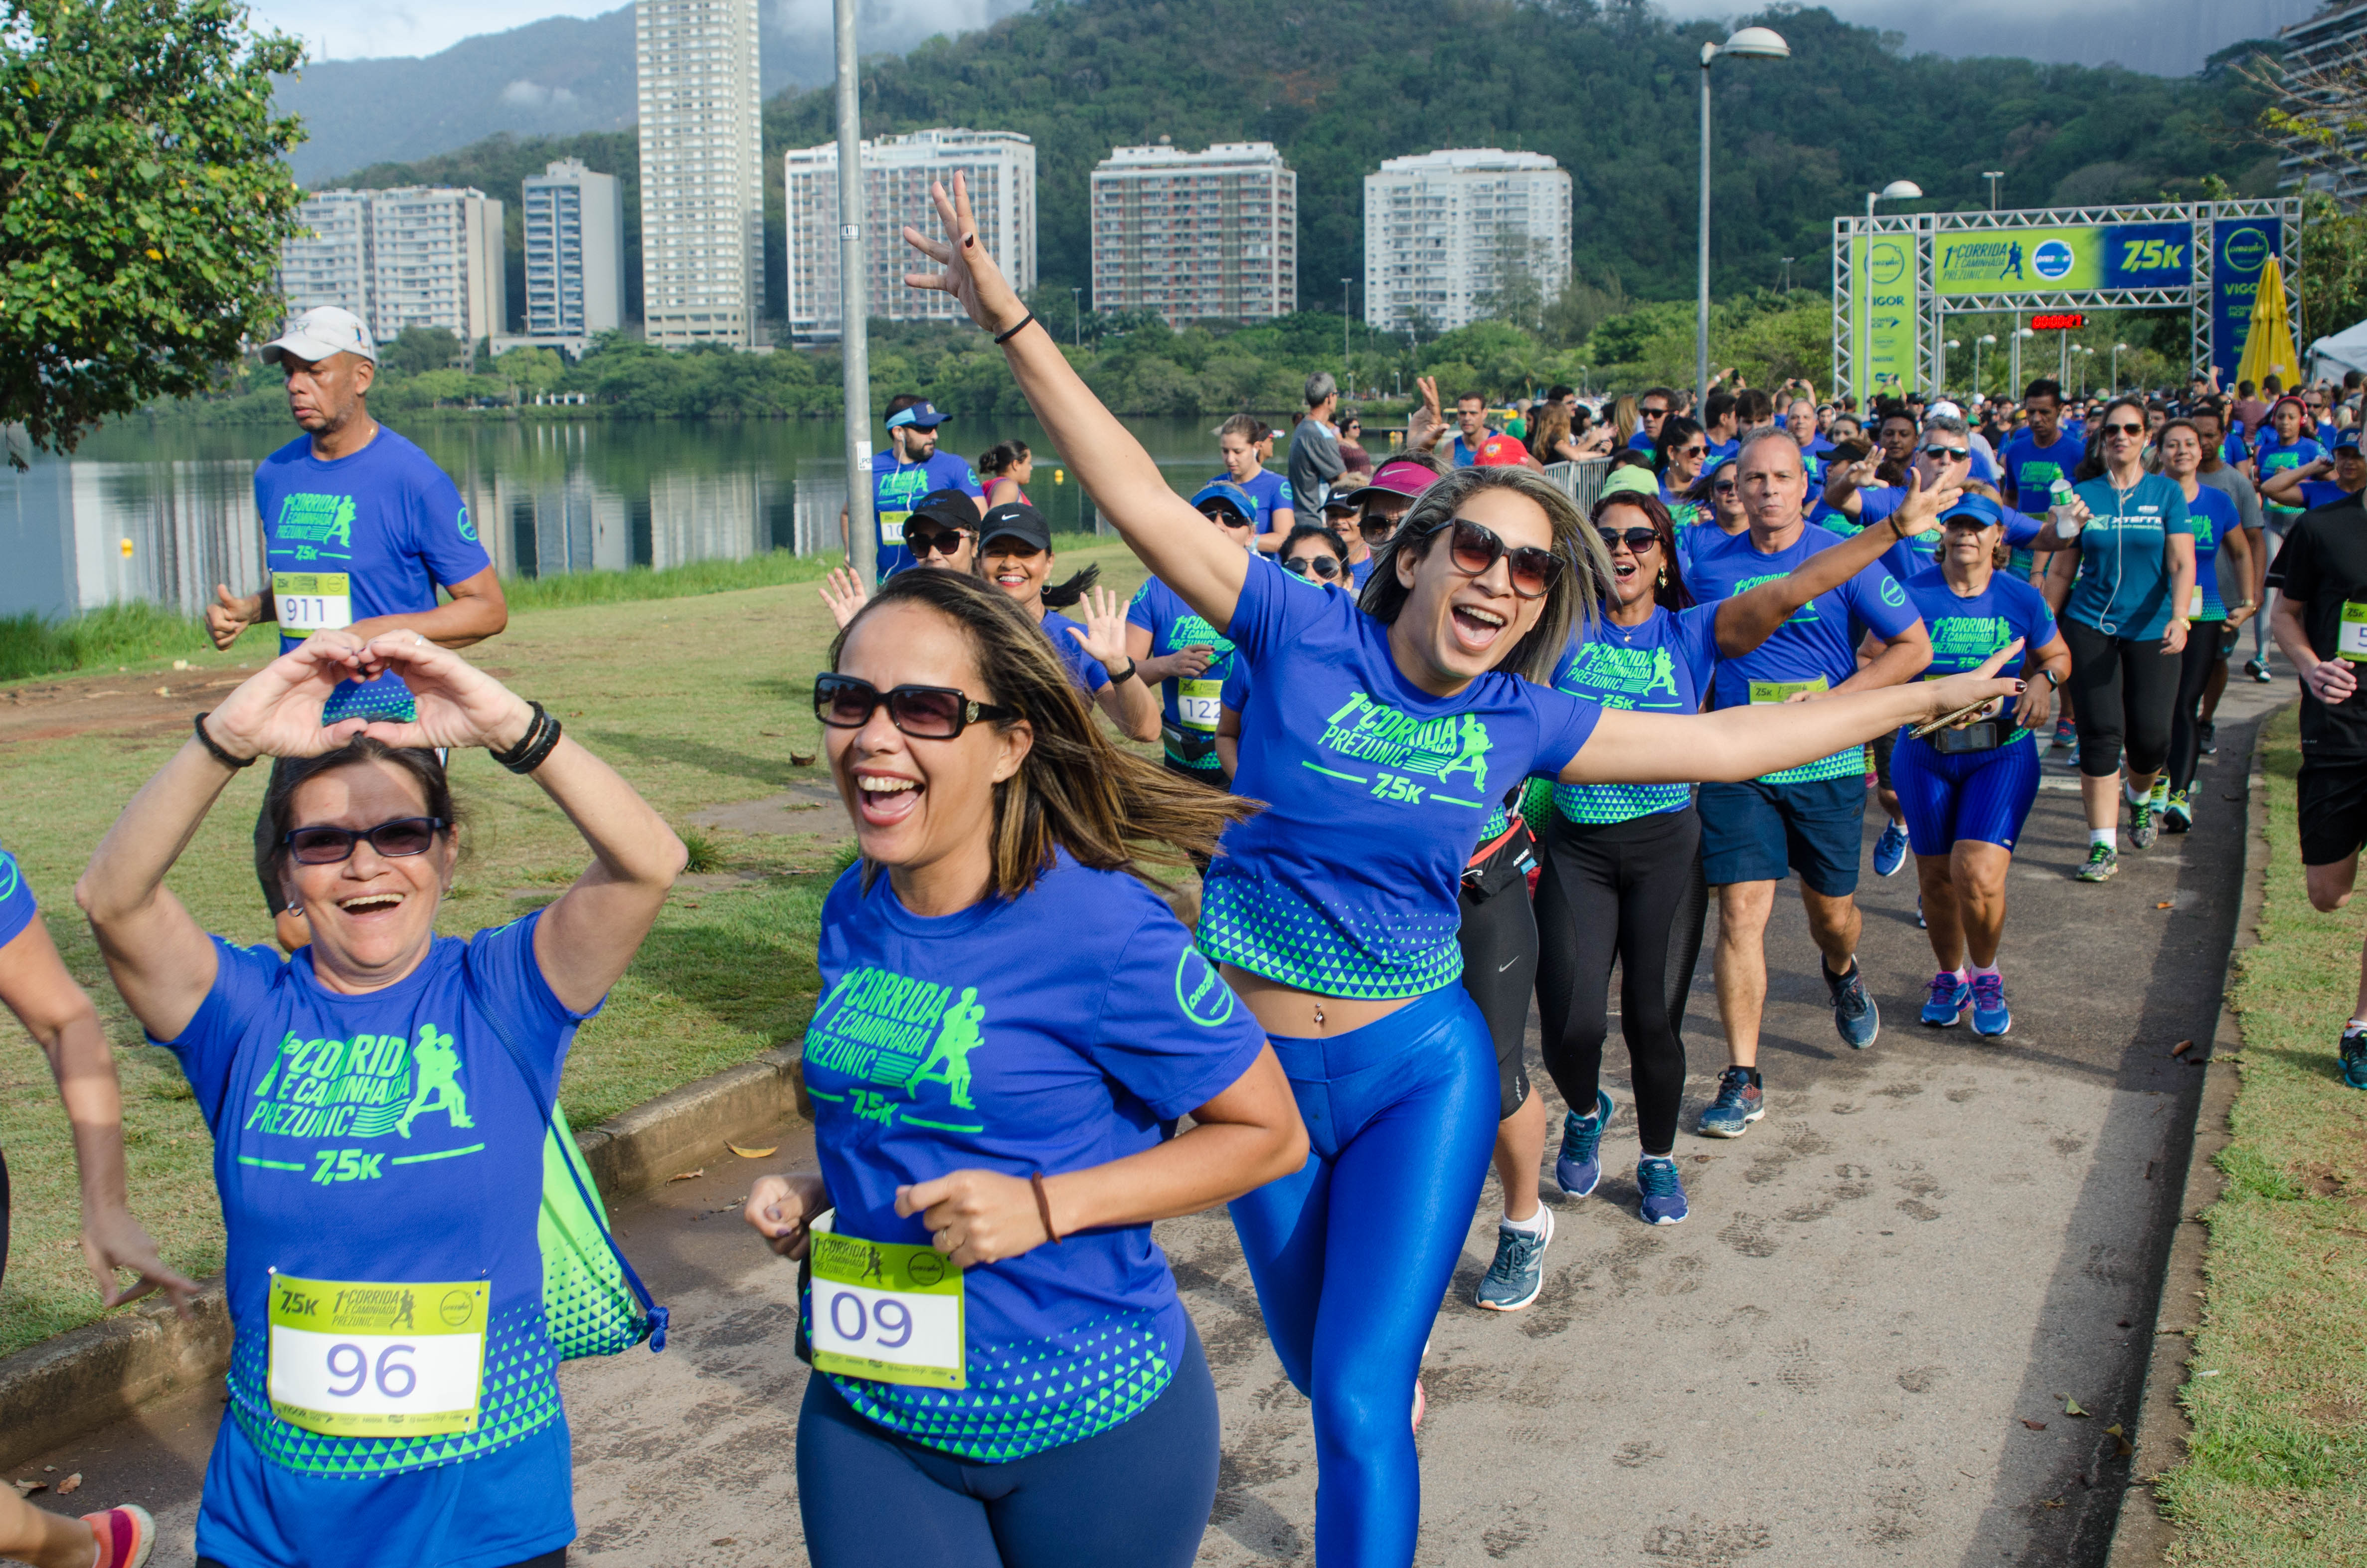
(1118, 675)
(2053, 679)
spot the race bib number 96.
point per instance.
(355, 1359)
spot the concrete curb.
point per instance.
(2142, 1535)
(93, 1376)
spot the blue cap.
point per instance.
(1231, 494)
(923, 415)
(2346, 440)
(1986, 512)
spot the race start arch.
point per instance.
(1896, 281)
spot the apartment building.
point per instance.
(702, 171)
(574, 223)
(1446, 232)
(1211, 235)
(414, 256)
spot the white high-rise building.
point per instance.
(702, 171)
(574, 252)
(1446, 233)
(415, 255)
(1196, 236)
(897, 170)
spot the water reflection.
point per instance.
(161, 512)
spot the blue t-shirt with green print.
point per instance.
(1665, 665)
(1967, 629)
(1187, 705)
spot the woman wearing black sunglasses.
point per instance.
(1381, 734)
(1318, 554)
(1009, 1015)
(379, 1143)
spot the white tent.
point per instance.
(2345, 350)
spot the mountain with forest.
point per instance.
(1610, 90)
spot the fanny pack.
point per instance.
(1187, 745)
(1986, 736)
(1500, 863)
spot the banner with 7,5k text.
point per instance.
(2062, 260)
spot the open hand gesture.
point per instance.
(844, 592)
(1919, 513)
(1104, 636)
(968, 272)
(1976, 685)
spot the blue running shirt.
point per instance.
(2123, 589)
(383, 529)
(2032, 470)
(1966, 631)
(2316, 493)
(1662, 666)
(1347, 885)
(1051, 1032)
(1269, 489)
(2213, 512)
(1819, 642)
(18, 909)
(2273, 457)
(1188, 707)
(386, 1138)
(898, 486)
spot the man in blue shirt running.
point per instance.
(360, 528)
(910, 468)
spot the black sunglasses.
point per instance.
(1473, 548)
(1224, 517)
(2124, 429)
(1376, 527)
(1947, 454)
(392, 840)
(1637, 540)
(927, 712)
(924, 545)
(1722, 486)
(1323, 566)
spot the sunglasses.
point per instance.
(1322, 566)
(391, 840)
(926, 712)
(1723, 487)
(1637, 540)
(1473, 549)
(1938, 453)
(1692, 451)
(924, 545)
(2124, 429)
(1653, 413)
(1224, 517)
(1377, 528)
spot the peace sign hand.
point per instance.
(970, 275)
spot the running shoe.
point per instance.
(126, 1536)
(1581, 1164)
(2065, 734)
(1855, 1014)
(1950, 996)
(2257, 671)
(1739, 1103)
(1890, 850)
(1990, 1016)
(2103, 860)
(1663, 1192)
(2354, 1055)
(2143, 828)
(1516, 1276)
(2178, 815)
(2210, 734)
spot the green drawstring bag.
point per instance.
(592, 1300)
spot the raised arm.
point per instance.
(2284, 489)
(1157, 524)
(1748, 620)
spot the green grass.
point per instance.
(697, 701)
(113, 634)
(2276, 1475)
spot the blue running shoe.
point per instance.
(1855, 1014)
(1518, 1274)
(2065, 734)
(1950, 997)
(2354, 1056)
(1664, 1195)
(1739, 1103)
(1890, 850)
(1990, 1016)
(1581, 1164)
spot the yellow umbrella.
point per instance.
(2268, 343)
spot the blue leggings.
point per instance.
(1137, 1494)
(1947, 796)
(1401, 1115)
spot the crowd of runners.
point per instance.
(1439, 744)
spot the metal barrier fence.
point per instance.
(1582, 479)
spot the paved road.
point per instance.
(1856, 1352)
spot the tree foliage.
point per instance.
(143, 203)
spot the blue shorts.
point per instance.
(1950, 796)
(1755, 832)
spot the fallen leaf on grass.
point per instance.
(2163, 905)
(688, 1176)
(2033, 1425)
(801, 759)
(71, 1483)
(2121, 1448)
(749, 1153)
(2181, 1048)
(2071, 1406)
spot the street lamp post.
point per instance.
(1993, 175)
(1764, 43)
(2118, 349)
(854, 314)
(1076, 317)
(1345, 369)
(1985, 338)
(2020, 332)
(1897, 190)
(1951, 344)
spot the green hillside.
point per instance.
(1611, 91)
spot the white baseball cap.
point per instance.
(319, 331)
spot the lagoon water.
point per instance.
(164, 512)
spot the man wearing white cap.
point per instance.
(360, 528)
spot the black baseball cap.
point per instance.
(948, 508)
(1014, 519)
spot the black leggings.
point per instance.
(2122, 689)
(1632, 891)
(2205, 651)
(1499, 968)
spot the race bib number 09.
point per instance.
(1197, 702)
(314, 601)
(354, 1359)
(2353, 643)
(886, 1311)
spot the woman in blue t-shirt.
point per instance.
(379, 1105)
(1678, 457)
(1381, 734)
(2218, 527)
(1010, 1019)
(2331, 481)
(2284, 447)
(1966, 792)
(2121, 589)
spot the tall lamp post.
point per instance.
(1993, 175)
(1764, 43)
(854, 312)
(1985, 338)
(1944, 364)
(1897, 190)
(2118, 349)
(1076, 317)
(2019, 333)
(1345, 364)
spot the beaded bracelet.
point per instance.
(542, 736)
(213, 745)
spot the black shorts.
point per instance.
(2332, 806)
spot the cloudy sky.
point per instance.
(2169, 36)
